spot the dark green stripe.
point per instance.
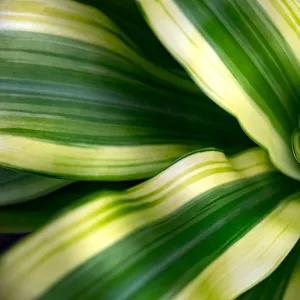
(249, 48)
(17, 187)
(127, 16)
(161, 258)
(25, 217)
(9, 176)
(132, 110)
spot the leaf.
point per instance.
(245, 56)
(19, 187)
(29, 216)
(292, 289)
(185, 233)
(279, 284)
(78, 100)
(126, 15)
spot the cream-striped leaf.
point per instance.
(29, 216)
(79, 100)
(282, 284)
(245, 55)
(186, 233)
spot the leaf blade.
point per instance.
(74, 89)
(243, 62)
(223, 203)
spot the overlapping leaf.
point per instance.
(29, 216)
(78, 99)
(283, 284)
(19, 187)
(245, 56)
(208, 227)
(126, 15)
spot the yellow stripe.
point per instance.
(63, 18)
(68, 10)
(252, 162)
(148, 190)
(211, 74)
(252, 258)
(16, 266)
(290, 31)
(111, 161)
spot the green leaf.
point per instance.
(126, 15)
(19, 187)
(208, 227)
(29, 216)
(245, 56)
(280, 283)
(78, 100)
(292, 289)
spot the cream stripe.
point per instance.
(271, 8)
(61, 263)
(99, 201)
(55, 239)
(106, 160)
(252, 162)
(99, 239)
(149, 191)
(68, 29)
(215, 79)
(72, 28)
(249, 157)
(179, 168)
(71, 10)
(50, 7)
(252, 258)
(81, 14)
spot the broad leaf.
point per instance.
(79, 100)
(245, 55)
(282, 284)
(208, 227)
